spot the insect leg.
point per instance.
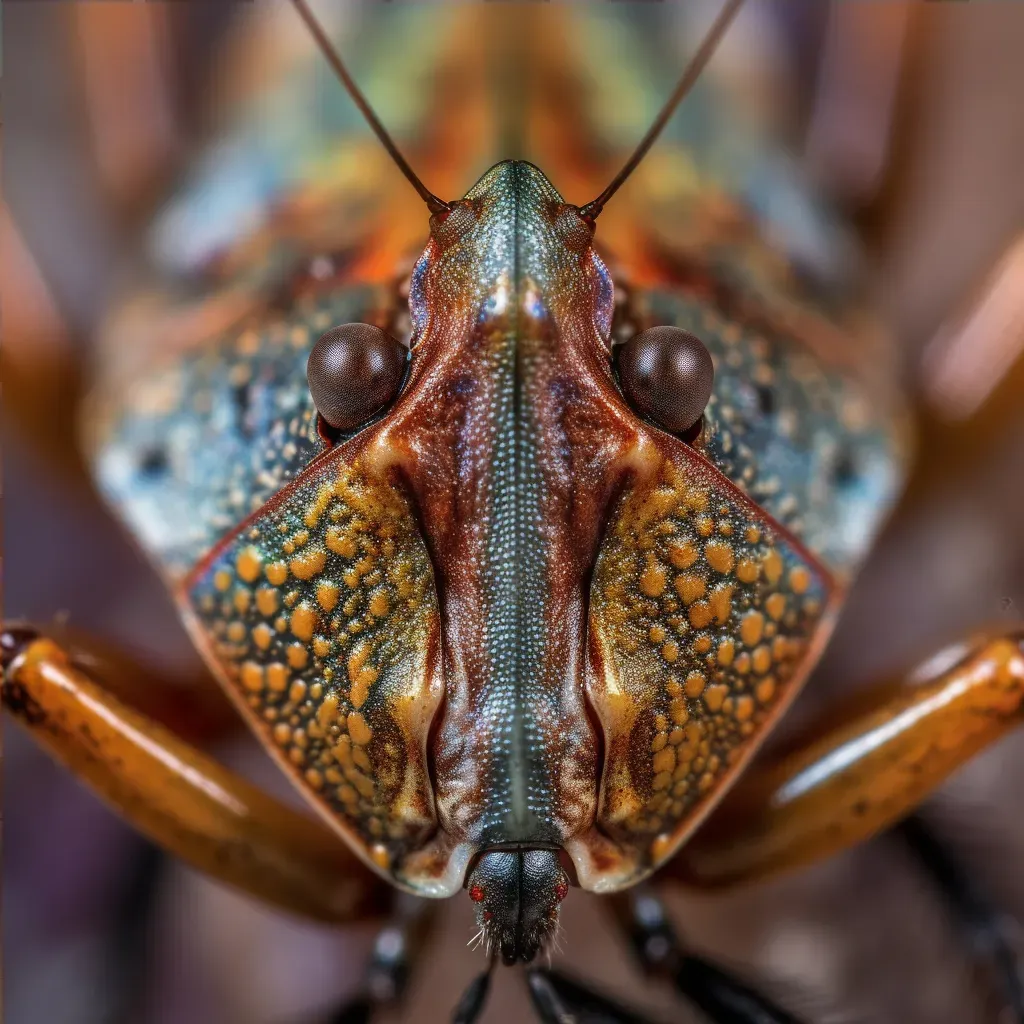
(723, 997)
(395, 950)
(853, 779)
(987, 933)
(177, 796)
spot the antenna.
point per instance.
(434, 204)
(693, 71)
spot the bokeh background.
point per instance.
(905, 116)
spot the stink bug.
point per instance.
(515, 601)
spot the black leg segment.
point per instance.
(987, 933)
(722, 997)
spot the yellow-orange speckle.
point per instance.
(695, 683)
(762, 659)
(744, 707)
(714, 696)
(252, 676)
(799, 579)
(665, 760)
(248, 564)
(765, 689)
(772, 566)
(327, 595)
(747, 570)
(719, 556)
(700, 614)
(276, 573)
(775, 606)
(222, 579)
(690, 588)
(303, 622)
(379, 604)
(358, 729)
(262, 635)
(306, 565)
(297, 655)
(682, 555)
(266, 601)
(721, 603)
(277, 677)
(752, 628)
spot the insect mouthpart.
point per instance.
(517, 894)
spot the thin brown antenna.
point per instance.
(434, 204)
(693, 71)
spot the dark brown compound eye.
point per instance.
(667, 374)
(354, 371)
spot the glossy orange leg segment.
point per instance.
(181, 799)
(856, 778)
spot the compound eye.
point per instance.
(354, 371)
(667, 374)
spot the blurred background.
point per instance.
(150, 149)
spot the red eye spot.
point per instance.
(487, 915)
(476, 893)
(561, 890)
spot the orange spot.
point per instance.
(297, 655)
(252, 676)
(700, 614)
(726, 652)
(309, 563)
(670, 651)
(752, 628)
(664, 760)
(261, 636)
(277, 677)
(266, 601)
(248, 564)
(679, 711)
(297, 691)
(719, 556)
(276, 573)
(652, 582)
(799, 579)
(721, 603)
(303, 622)
(765, 689)
(772, 567)
(340, 542)
(321, 646)
(690, 588)
(682, 554)
(358, 729)
(744, 708)
(222, 579)
(747, 571)
(762, 659)
(327, 713)
(379, 604)
(714, 696)
(775, 606)
(695, 684)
